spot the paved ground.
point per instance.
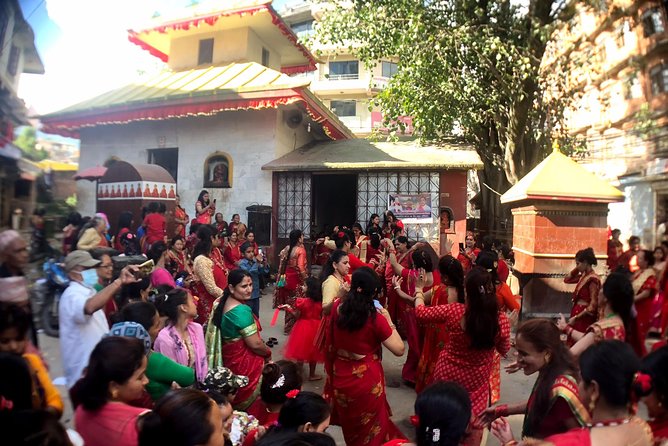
(513, 387)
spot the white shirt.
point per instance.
(79, 332)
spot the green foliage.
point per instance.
(466, 68)
(27, 142)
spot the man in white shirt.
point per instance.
(81, 318)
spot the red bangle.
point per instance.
(501, 410)
(569, 330)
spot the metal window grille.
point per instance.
(294, 203)
(373, 189)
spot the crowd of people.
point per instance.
(175, 354)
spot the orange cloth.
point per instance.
(47, 394)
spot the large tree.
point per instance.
(468, 69)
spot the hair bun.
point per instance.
(642, 385)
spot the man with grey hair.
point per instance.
(80, 312)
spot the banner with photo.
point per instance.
(415, 208)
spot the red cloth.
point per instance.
(206, 300)
(660, 431)
(267, 419)
(502, 271)
(458, 361)
(241, 360)
(231, 255)
(615, 250)
(356, 263)
(574, 437)
(300, 345)
(117, 240)
(467, 259)
(359, 402)
(180, 228)
(435, 338)
(155, 227)
(565, 406)
(585, 298)
(644, 315)
(111, 425)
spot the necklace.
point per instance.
(609, 423)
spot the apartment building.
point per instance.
(18, 55)
(341, 81)
(620, 70)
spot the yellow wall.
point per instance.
(235, 45)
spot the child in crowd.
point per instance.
(300, 346)
(155, 224)
(14, 325)
(255, 266)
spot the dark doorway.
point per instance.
(334, 201)
(166, 158)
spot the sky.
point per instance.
(84, 47)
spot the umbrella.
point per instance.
(91, 174)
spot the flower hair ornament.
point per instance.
(415, 420)
(292, 394)
(340, 234)
(644, 381)
(6, 404)
(279, 382)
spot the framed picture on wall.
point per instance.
(218, 171)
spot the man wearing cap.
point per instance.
(82, 321)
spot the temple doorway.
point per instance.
(334, 201)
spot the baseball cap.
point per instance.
(80, 258)
(221, 379)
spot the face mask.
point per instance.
(89, 277)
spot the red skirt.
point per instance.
(300, 345)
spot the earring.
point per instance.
(547, 358)
(592, 405)
(114, 394)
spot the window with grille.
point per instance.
(658, 77)
(373, 189)
(294, 203)
(349, 69)
(652, 22)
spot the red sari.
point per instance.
(181, 260)
(660, 431)
(435, 338)
(564, 404)
(585, 298)
(506, 302)
(295, 272)
(643, 280)
(180, 214)
(204, 289)
(395, 304)
(460, 363)
(237, 324)
(231, 255)
(467, 258)
(359, 402)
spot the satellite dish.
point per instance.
(293, 118)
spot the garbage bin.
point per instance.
(259, 221)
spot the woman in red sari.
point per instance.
(450, 290)
(585, 297)
(178, 256)
(615, 302)
(394, 303)
(610, 386)
(656, 366)
(467, 258)
(181, 218)
(209, 272)
(358, 332)
(644, 287)
(476, 330)
(232, 252)
(204, 208)
(423, 263)
(554, 405)
(233, 338)
(293, 262)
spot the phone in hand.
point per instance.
(461, 247)
(145, 269)
(376, 303)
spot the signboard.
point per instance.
(411, 208)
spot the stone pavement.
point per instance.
(514, 387)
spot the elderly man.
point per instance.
(13, 254)
(81, 315)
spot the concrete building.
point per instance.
(231, 101)
(621, 72)
(18, 55)
(341, 81)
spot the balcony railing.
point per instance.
(343, 77)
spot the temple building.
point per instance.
(232, 115)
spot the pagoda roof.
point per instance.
(558, 177)
(258, 15)
(195, 92)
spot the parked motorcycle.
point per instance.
(47, 292)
